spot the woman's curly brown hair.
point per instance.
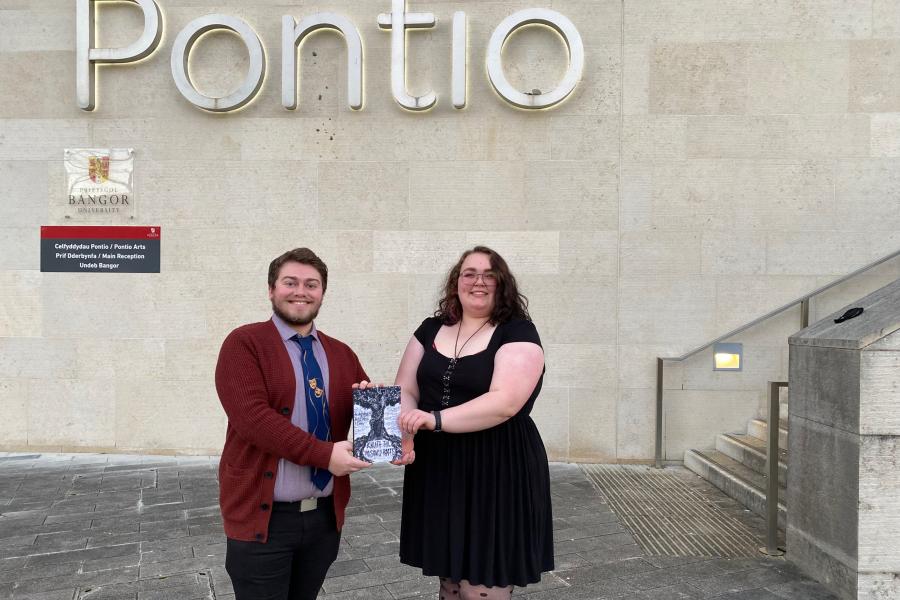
(509, 303)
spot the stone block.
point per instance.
(42, 139)
(379, 359)
(659, 253)
(866, 194)
(806, 77)
(556, 190)
(813, 253)
(779, 136)
(874, 67)
(732, 253)
(14, 406)
(20, 304)
(636, 79)
(712, 21)
(886, 135)
(879, 392)
(248, 195)
(654, 137)
(42, 83)
(879, 504)
(34, 357)
(198, 136)
(637, 366)
(740, 299)
(373, 195)
(423, 294)
(551, 415)
(667, 310)
(831, 571)
(451, 196)
(825, 387)
(885, 19)
(187, 360)
(577, 310)
(584, 137)
(877, 586)
(532, 252)
(698, 79)
(580, 365)
(39, 29)
(25, 184)
(160, 414)
(722, 411)
(417, 252)
(592, 425)
(589, 253)
(362, 307)
(636, 425)
(172, 307)
(113, 358)
(26, 241)
(72, 412)
(823, 491)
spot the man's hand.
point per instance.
(343, 462)
(366, 384)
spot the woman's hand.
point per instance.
(408, 455)
(412, 421)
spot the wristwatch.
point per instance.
(437, 420)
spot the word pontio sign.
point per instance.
(396, 22)
(99, 249)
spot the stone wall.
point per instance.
(719, 158)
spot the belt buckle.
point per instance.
(308, 504)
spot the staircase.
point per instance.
(737, 465)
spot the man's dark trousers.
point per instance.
(293, 563)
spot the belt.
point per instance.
(305, 505)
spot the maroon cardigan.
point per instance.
(256, 385)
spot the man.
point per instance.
(283, 476)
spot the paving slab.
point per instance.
(101, 527)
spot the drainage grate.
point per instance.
(667, 517)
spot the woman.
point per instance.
(476, 492)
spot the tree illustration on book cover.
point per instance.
(376, 435)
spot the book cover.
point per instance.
(376, 435)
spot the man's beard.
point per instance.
(294, 320)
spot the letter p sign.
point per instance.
(87, 57)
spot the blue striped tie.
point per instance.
(316, 403)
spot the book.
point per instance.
(376, 435)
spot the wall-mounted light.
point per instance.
(728, 357)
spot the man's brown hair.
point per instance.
(304, 256)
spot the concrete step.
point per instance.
(736, 480)
(751, 452)
(759, 428)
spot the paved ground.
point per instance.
(87, 526)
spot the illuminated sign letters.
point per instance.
(397, 22)
(86, 56)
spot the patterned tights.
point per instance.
(451, 590)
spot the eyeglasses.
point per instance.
(488, 278)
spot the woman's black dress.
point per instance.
(476, 506)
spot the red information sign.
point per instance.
(100, 249)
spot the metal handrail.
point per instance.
(774, 427)
(803, 301)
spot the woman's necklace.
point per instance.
(457, 350)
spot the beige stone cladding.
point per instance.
(717, 159)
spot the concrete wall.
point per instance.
(719, 158)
